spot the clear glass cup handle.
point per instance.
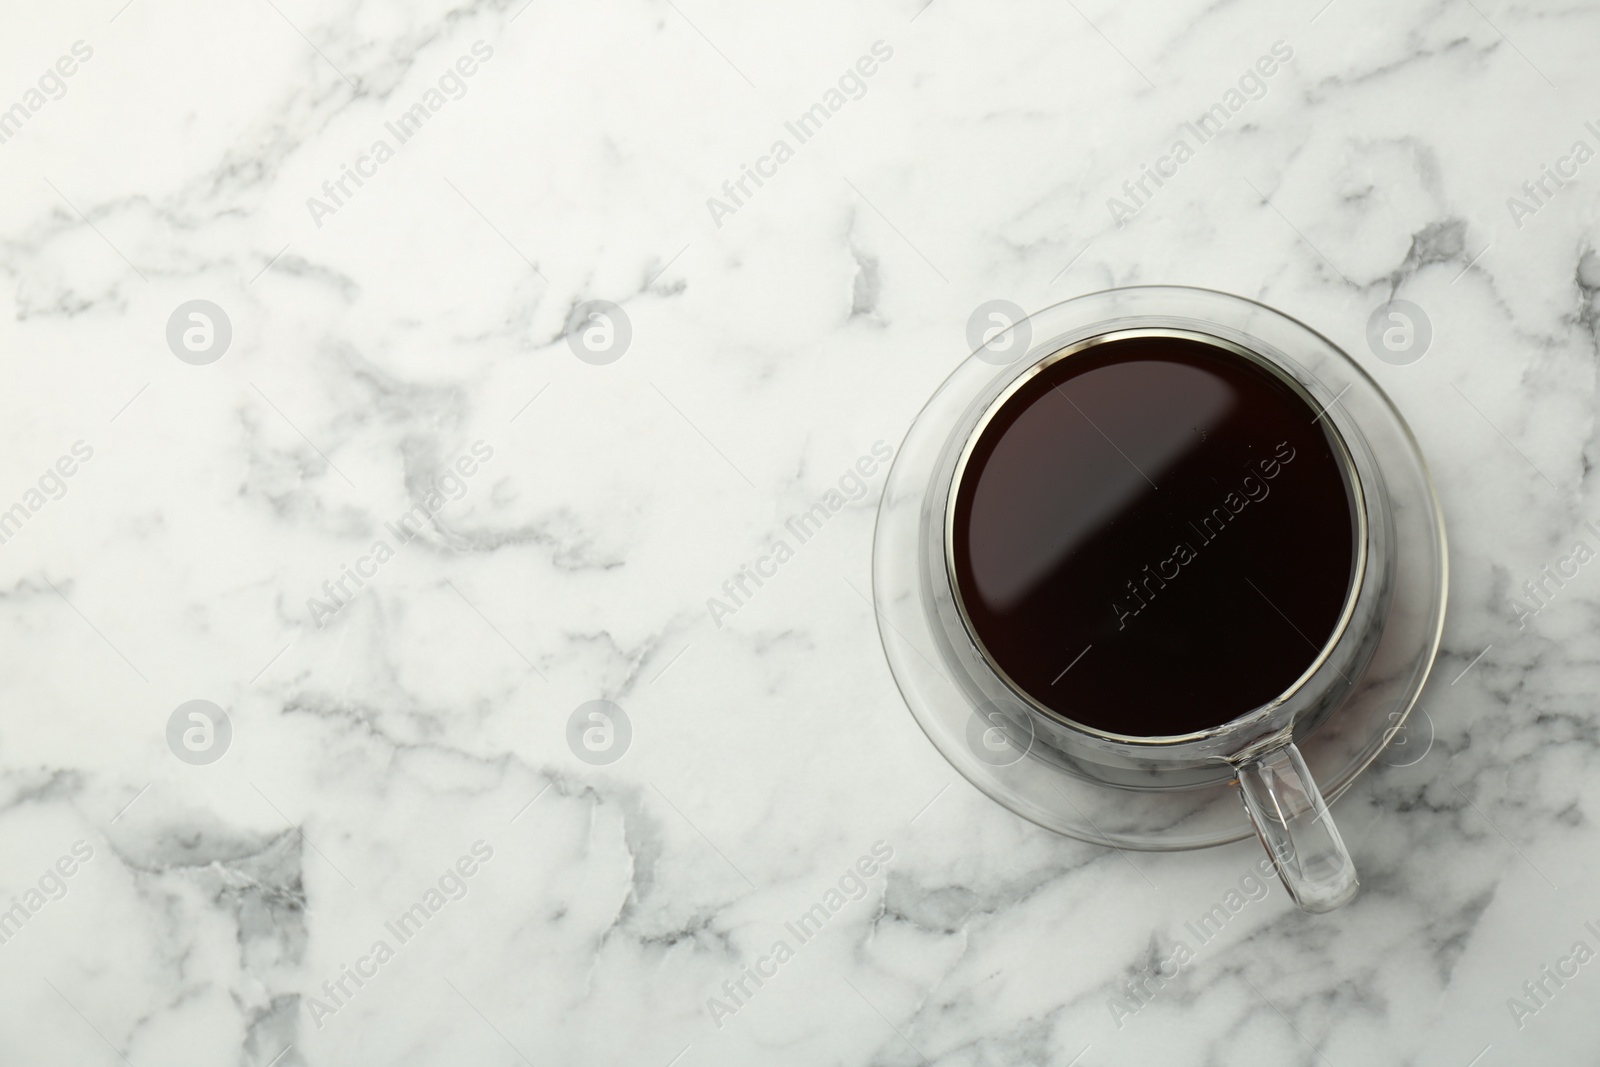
(1293, 822)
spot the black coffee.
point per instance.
(1154, 536)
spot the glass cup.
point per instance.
(1257, 752)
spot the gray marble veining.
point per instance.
(399, 714)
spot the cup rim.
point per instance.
(1358, 506)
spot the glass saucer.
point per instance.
(1340, 748)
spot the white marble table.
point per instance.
(396, 768)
